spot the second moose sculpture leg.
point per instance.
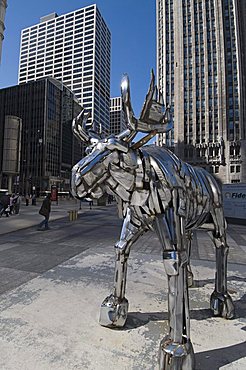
(115, 307)
(176, 351)
(220, 302)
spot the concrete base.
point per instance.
(51, 322)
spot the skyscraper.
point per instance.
(75, 49)
(117, 116)
(201, 70)
(48, 148)
(3, 6)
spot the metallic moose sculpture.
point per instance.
(155, 190)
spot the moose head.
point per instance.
(89, 174)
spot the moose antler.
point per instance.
(154, 118)
(79, 127)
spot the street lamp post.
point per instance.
(39, 163)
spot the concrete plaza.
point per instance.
(52, 284)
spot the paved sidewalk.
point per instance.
(29, 215)
(52, 285)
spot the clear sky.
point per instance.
(133, 35)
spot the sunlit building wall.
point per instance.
(117, 116)
(201, 70)
(75, 49)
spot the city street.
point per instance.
(53, 282)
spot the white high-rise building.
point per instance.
(3, 6)
(75, 49)
(117, 116)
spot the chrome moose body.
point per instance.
(155, 190)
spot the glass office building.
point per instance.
(201, 70)
(48, 147)
(75, 49)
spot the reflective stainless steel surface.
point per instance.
(155, 190)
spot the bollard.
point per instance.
(73, 215)
(70, 215)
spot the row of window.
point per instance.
(51, 45)
(87, 12)
(57, 31)
(58, 38)
(57, 61)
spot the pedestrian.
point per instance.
(5, 201)
(90, 202)
(34, 202)
(45, 211)
(27, 199)
(109, 198)
(16, 202)
(11, 204)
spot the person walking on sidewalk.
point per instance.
(45, 211)
(16, 202)
(5, 202)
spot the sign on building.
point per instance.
(234, 198)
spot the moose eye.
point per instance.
(88, 150)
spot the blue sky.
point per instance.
(133, 32)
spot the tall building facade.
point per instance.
(201, 69)
(3, 6)
(48, 148)
(117, 116)
(75, 49)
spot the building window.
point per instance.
(237, 169)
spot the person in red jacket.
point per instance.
(45, 211)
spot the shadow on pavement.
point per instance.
(202, 283)
(216, 358)
(207, 360)
(138, 319)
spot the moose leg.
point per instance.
(176, 351)
(220, 301)
(190, 276)
(114, 308)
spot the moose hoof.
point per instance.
(222, 305)
(113, 312)
(176, 356)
